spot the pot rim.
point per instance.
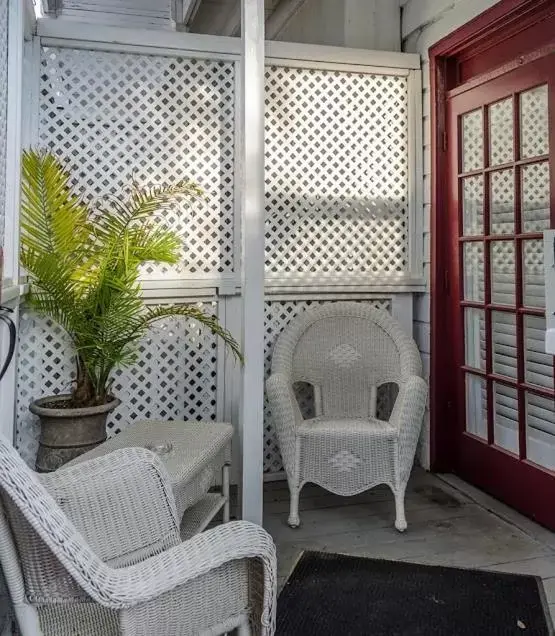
(36, 407)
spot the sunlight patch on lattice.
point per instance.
(173, 378)
(278, 314)
(116, 118)
(336, 172)
(3, 108)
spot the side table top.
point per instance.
(194, 444)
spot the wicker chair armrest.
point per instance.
(407, 415)
(127, 488)
(285, 413)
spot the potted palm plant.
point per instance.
(83, 263)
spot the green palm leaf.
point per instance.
(84, 267)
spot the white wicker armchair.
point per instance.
(95, 549)
(346, 351)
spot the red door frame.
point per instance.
(481, 49)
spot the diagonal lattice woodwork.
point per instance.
(336, 173)
(116, 118)
(278, 314)
(174, 376)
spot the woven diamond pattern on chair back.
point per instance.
(345, 350)
(279, 314)
(346, 356)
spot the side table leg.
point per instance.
(225, 490)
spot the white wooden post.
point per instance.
(252, 207)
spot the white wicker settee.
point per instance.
(346, 351)
(95, 549)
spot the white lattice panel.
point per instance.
(117, 117)
(336, 173)
(3, 108)
(278, 314)
(174, 377)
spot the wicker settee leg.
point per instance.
(400, 519)
(244, 629)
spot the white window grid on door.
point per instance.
(117, 104)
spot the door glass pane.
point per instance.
(473, 205)
(540, 430)
(472, 141)
(502, 202)
(503, 272)
(538, 364)
(476, 406)
(503, 335)
(505, 417)
(501, 135)
(533, 274)
(475, 338)
(534, 129)
(473, 254)
(535, 197)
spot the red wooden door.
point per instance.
(501, 198)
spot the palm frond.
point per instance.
(84, 268)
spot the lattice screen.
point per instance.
(336, 173)
(3, 108)
(174, 378)
(116, 117)
(278, 314)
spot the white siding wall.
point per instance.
(365, 24)
(423, 23)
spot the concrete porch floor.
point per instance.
(450, 523)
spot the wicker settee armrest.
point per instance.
(407, 416)
(139, 583)
(126, 489)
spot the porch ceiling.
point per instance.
(213, 17)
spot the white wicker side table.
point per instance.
(196, 452)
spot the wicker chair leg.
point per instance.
(294, 520)
(400, 519)
(244, 629)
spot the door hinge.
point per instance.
(446, 285)
(444, 141)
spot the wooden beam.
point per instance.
(252, 217)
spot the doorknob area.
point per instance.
(5, 318)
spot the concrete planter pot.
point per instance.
(66, 433)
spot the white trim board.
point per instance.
(57, 32)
